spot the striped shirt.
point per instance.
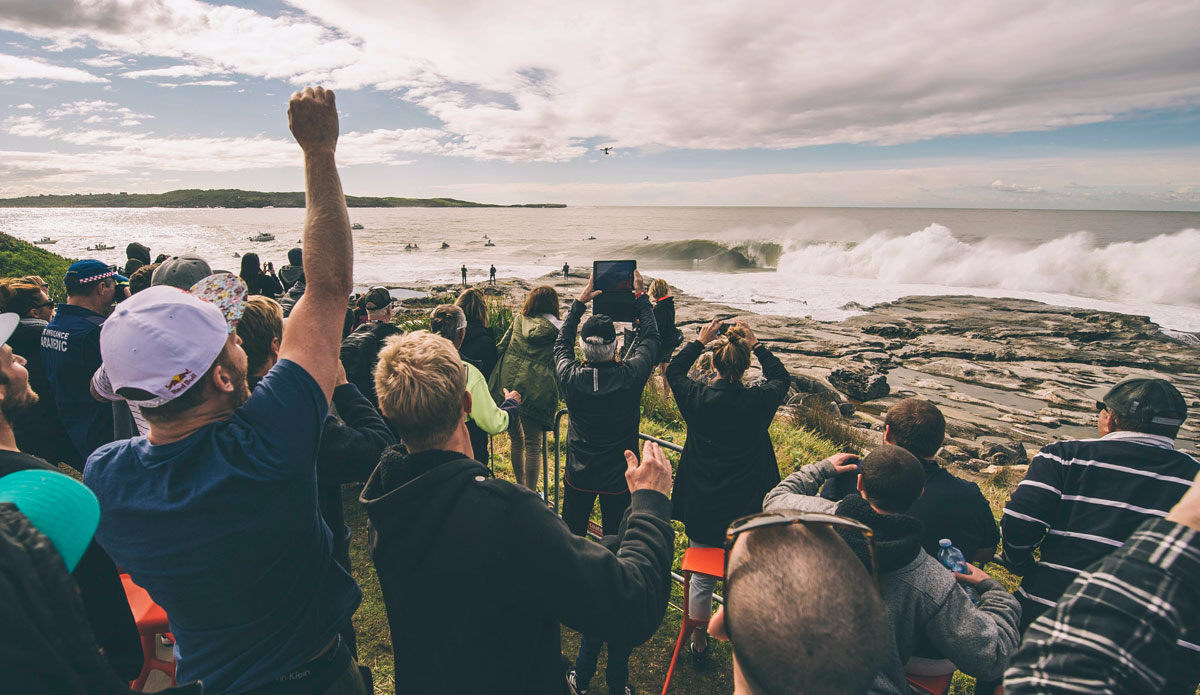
(1080, 501)
(1129, 625)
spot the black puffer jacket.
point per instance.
(479, 347)
(46, 645)
(603, 402)
(360, 354)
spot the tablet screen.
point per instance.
(613, 275)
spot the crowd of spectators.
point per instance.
(215, 418)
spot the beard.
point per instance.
(16, 402)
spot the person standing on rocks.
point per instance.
(728, 462)
(566, 270)
(464, 275)
(1082, 499)
(492, 275)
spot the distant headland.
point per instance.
(233, 198)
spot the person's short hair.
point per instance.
(916, 425)
(473, 305)
(595, 353)
(892, 478)
(261, 322)
(542, 300)
(659, 288)
(88, 288)
(731, 358)
(803, 613)
(420, 382)
(447, 320)
(19, 296)
(140, 279)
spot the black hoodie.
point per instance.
(477, 574)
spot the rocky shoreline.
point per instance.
(1010, 374)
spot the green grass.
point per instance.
(19, 258)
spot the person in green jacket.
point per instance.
(527, 365)
(450, 322)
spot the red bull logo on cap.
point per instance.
(180, 382)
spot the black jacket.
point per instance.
(360, 354)
(38, 429)
(664, 316)
(104, 603)
(479, 347)
(477, 574)
(46, 644)
(352, 440)
(266, 285)
(604, 403)
(728, 462)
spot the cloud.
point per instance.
(97, 111)
(103, 61)
(19, 68)
(173, 71)
(999, 185)
(533, 80)
(198, 83)
(28, 127)
(23, 106)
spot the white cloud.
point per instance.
(19, 68)
(98, 111)
(173, 71)
(999, 185)
(198, 83)
(532, 79)
(28, 127)
(103, 61)
(24, 106)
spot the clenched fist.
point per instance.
(312, 116)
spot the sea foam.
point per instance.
(1159, 270)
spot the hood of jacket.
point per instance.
(535, 330)
(897, 536)
(138, 251)
(409, 496)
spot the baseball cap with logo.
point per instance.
(87, 271)
(62, 508)
(600, 327)
(161, 341)
(181, 271)
(377, 298)
(1153, 402)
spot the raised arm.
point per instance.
(800, 489)
(564, 344)
(779, 382)
(313, 332)
(645, 353)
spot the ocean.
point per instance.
(824, 263)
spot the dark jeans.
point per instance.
(333, 673)
(577, 509)
(617, 670)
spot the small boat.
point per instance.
(100, 247)
(262, 236)
(46, 240)
(445, 245)
(490, 243)
(356, 226)
(591, 238)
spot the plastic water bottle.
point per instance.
(951, 557)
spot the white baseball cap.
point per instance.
(161, 340)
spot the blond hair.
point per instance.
(420, 381)
(732, 359)
(659, 288)
(261, 322)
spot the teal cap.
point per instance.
(62, 508)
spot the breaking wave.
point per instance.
(712, 255)
(1160, 270)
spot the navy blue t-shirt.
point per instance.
(222, 530)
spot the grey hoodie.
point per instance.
(922, 596)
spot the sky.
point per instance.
(1004, 104)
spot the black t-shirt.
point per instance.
(101, 589)
(954, 508)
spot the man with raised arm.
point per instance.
(214, 512)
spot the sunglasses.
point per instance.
(43, 304)
(787, 517)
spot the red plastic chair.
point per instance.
(930, 685)
(158, 671)
(706, 561)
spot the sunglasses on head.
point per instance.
(787, 517)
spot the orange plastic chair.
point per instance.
(706, 561)
(158, 671)
(930, 685)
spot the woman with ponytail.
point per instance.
(728, 462)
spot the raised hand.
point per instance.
(313, 119)
(588, 293)
(653, 473)
(710, 332)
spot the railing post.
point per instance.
(557, 450)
